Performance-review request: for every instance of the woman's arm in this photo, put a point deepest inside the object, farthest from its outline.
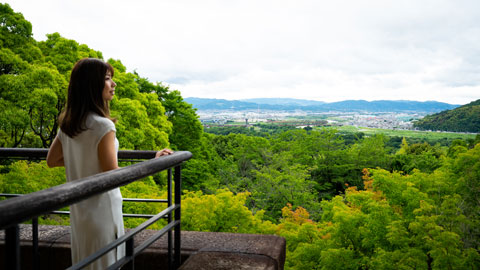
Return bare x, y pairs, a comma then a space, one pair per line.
107, 155
55, 154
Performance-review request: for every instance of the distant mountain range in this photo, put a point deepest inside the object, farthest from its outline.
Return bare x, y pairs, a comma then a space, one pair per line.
290, 104
284, 101
465, 118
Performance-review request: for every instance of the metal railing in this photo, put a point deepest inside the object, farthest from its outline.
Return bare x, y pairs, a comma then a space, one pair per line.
22, 208
125, 215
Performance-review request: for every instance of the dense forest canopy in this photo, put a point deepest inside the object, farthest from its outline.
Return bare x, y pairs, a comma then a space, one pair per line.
342, 201
462, 119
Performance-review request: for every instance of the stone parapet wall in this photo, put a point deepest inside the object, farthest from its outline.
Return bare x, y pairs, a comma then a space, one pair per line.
199, 250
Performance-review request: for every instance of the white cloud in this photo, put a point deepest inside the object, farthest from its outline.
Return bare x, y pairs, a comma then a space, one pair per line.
323, 50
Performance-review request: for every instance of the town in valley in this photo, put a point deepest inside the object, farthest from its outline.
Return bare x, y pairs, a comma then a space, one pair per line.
301, 119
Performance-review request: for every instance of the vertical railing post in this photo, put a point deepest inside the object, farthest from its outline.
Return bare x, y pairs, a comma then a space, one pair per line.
169, 219
129, 249
35, 255
12, 248
178, 187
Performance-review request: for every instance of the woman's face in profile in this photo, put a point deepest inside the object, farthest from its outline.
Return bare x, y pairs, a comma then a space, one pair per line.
109, 88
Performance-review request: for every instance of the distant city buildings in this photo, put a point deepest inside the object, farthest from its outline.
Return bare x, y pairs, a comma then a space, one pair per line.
385, 120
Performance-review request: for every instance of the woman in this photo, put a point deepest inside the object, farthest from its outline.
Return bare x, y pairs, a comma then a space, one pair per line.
86, 145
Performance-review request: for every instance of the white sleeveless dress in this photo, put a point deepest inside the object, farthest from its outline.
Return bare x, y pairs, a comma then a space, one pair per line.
97, 221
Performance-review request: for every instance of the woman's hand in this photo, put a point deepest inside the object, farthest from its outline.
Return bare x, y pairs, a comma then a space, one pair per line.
163, 152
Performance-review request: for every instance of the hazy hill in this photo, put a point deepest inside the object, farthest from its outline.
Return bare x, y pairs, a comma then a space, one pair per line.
318, 106
284, 101
220, 104
465, 118
389, 105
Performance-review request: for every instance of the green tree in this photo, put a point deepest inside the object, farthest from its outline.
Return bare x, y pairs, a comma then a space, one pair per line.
63, 53
222, 212
134, 130
466, 168
186, 134
278, 184
142, 124
14, 119
421, 156
13, 124
47, 97
31, 96
16, 34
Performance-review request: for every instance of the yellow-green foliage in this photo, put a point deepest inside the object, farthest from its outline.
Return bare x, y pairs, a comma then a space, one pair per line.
145, 189
25, 177
417, 221
221, 212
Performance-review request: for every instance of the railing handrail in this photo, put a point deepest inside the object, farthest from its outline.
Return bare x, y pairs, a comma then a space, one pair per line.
58, 212
13, 195
20, 209
42, 153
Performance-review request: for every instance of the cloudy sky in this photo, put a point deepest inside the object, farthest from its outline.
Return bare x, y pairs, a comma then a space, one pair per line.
319, 50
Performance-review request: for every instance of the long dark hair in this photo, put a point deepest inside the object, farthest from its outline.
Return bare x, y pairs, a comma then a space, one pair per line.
85, 95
